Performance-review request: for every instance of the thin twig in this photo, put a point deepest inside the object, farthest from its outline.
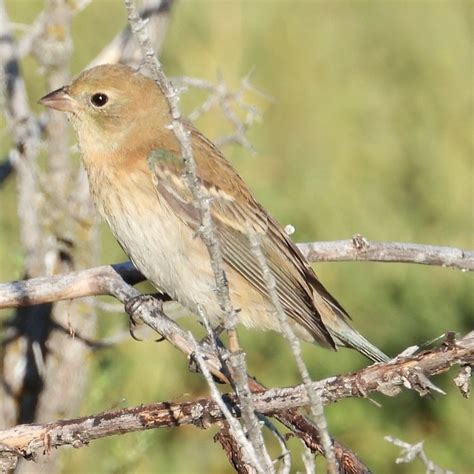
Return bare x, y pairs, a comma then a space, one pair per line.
248, 449
207, 230
239, 381
124, 48
222, 97
372, 379
316, 402
285, 455
409, 452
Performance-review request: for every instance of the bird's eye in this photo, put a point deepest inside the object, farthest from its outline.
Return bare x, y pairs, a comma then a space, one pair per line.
99, 99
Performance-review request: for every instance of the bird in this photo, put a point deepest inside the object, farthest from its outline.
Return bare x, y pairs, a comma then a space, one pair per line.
137, 180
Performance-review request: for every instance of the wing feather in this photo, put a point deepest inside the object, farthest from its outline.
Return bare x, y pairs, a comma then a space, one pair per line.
234, 211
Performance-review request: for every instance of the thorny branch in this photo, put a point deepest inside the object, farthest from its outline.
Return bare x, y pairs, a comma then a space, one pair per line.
410, 452
255, 452
220, 96
124, 48
387, 378
316, 405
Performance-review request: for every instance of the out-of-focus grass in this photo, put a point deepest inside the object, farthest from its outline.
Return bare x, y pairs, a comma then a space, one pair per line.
370, 131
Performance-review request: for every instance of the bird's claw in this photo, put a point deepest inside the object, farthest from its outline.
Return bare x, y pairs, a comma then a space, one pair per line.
132, 324
132, 306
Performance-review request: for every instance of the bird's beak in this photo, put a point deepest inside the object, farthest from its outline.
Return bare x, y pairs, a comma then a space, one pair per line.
59, 100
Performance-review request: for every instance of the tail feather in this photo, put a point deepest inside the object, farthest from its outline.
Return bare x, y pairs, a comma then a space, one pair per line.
336, 321
349, 337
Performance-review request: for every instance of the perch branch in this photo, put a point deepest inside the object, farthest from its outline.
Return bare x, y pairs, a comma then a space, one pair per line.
110, 282
387, 378
87, 282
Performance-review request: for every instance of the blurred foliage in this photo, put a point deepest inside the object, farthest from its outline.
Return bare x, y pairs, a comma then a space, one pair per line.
370, 131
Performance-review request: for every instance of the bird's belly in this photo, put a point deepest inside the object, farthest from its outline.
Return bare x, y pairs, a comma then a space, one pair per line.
176, 261
168, 254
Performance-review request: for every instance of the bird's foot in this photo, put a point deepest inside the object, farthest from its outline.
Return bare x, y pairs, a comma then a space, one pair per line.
132, 306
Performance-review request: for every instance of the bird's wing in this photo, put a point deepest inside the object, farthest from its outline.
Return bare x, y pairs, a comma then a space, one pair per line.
236, 213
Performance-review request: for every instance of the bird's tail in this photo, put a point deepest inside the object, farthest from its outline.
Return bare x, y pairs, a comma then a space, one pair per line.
336, 320
349, 337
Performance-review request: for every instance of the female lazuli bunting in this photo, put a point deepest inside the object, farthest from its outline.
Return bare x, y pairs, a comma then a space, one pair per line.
136, 177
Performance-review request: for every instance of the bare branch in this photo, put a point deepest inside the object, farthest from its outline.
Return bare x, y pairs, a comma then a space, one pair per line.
316, 405
361, 249
255, 452
207, 230
124, 47
25, 133
410, 452
86, 282
222, 97
26, 440
250, 454
111, 283
232, 450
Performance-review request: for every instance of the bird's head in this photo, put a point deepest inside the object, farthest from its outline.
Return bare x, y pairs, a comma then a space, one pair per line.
109, 104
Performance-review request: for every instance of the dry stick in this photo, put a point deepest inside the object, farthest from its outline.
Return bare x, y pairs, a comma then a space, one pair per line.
285, 455
58, 359
360, 249
112, 284
249, 450
124, 48
221, 96
232, 450
387, 378
308, 460
207, 229
410, 452
316, 403
240, 379
25, 134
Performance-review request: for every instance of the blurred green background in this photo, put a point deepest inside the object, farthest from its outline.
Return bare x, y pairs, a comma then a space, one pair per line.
369, 131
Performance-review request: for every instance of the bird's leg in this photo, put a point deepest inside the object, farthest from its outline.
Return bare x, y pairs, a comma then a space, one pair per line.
216, 332
208, 342
132, 305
